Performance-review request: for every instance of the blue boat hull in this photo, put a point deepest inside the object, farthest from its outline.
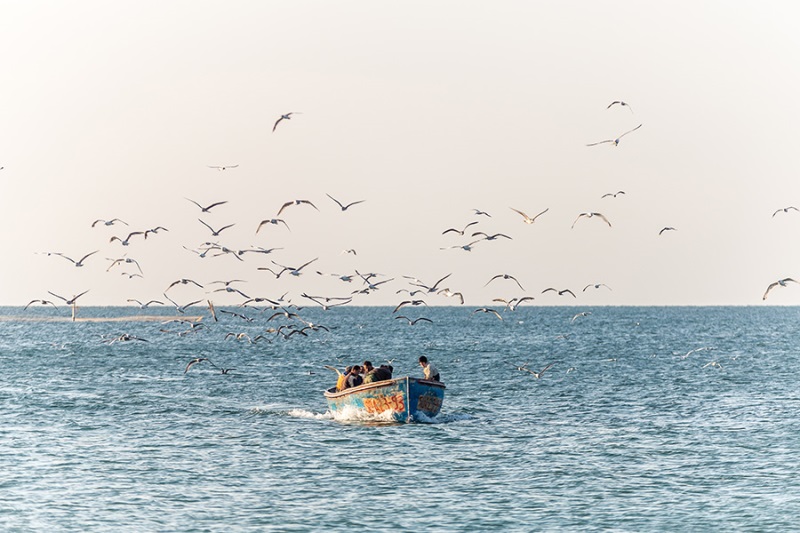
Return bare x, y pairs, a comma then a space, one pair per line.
405, 398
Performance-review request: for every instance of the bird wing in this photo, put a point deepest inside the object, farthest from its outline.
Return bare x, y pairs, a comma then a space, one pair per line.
603, 217
521, 213
629, 131
284, 206
337, 201
276, 123
353, 203
87, 255
309, 203
206, 225
601, 142
215, 204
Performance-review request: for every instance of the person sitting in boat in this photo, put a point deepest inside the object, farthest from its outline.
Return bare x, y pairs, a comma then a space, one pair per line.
353, 378
381, 373
431, 372
340, 382
366, 367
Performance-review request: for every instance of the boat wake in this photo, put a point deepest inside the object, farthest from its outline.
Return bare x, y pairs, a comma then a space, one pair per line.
442, 418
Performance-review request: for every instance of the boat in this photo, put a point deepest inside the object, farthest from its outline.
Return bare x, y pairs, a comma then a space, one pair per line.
405, 398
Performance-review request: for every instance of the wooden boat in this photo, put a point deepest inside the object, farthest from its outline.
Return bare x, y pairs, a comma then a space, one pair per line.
404, 397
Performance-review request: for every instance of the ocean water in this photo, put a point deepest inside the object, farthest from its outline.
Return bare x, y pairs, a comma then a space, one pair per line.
650, 419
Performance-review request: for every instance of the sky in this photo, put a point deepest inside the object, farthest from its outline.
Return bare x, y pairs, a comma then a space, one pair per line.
426, 111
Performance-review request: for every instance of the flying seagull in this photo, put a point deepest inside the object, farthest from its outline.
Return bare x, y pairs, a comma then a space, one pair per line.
621, 103
145, 305
668, 228
590, 215
527, 219
596, 286
208, 207
274, 222
413, 322
614, 194
43, 302
108, 222
780, 282
615, 141
344, 207
223, 167
505, 276
72, 300
785, 210
561, 292
78, 263
285, 116
537, 375
215, 233
460, 231
294, 202
479, 212
487, 310
126, 240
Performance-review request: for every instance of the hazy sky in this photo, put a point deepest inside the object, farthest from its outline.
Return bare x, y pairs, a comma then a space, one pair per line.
425, 110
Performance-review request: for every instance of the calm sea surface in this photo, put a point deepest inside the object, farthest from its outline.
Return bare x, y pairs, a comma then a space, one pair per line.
626, 432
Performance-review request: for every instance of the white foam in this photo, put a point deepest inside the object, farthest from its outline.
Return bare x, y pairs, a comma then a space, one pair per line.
302, 413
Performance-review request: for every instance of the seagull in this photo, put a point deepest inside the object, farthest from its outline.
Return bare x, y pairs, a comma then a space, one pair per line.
527, 219
231, 289
561, 292
286, 116
145, 305
237, 315
154, 230
327, 299
460, 232
182, 281
227, 283
273, 221
221, 168
668, 228
115, 262
126, 337
576, 317
126, 240
43, 302
258, 250
215, 233
350, 251
615, 141
409, 302
537, 375
590, 215
181, 308
465, 247
447, 292
487, 237
295, 202
413, 322
72, 300
690, 352
479, 212
293, 271
487, 310
513, 303
198, 360
621, 103
505, 276
78, 263
614, 194
108, 222
418, 283
596, 286
712, 364
344, 207
785, 210
781, 282
208, 207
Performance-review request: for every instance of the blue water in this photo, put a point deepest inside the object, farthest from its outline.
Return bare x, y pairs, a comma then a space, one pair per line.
625, 432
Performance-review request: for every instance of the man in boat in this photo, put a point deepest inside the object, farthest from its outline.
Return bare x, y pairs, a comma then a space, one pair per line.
431, 372
366, 367
340, 382
353, 378
381, 373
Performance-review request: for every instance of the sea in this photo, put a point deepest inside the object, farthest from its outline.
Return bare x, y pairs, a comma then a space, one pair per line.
649, 419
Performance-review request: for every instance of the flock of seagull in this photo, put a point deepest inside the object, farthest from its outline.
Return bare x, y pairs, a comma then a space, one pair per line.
359, 283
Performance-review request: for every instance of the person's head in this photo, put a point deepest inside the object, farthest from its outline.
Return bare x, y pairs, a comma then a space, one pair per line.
348, 369
367, 366
423, 361
356, 370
